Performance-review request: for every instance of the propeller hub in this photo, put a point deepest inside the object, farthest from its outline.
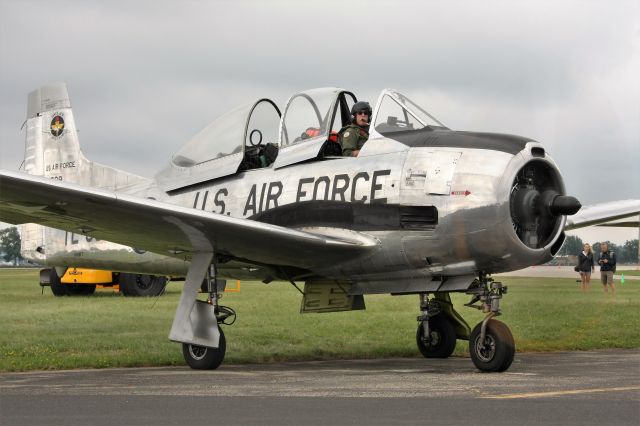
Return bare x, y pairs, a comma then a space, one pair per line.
564, 205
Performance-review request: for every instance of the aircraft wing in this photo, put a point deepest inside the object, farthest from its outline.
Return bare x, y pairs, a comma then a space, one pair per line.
597, 214
165, 228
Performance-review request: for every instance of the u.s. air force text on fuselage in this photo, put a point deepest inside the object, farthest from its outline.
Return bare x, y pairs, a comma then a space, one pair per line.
360, 187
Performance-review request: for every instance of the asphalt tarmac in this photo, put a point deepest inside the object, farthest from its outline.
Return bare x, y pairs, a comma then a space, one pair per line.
568, 388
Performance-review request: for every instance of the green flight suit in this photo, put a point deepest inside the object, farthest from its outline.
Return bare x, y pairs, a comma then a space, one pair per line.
352, 138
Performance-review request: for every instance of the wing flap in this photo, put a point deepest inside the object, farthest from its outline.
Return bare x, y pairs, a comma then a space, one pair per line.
165, 228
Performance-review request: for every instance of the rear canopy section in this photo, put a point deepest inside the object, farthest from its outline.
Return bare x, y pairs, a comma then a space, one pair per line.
220, 148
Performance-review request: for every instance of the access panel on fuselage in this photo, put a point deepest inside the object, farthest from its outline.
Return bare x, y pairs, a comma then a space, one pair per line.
429, 172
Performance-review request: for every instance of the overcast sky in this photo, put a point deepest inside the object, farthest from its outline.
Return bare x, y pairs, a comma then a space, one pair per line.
146, 76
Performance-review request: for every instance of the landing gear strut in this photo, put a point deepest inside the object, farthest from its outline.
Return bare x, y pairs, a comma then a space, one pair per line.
207, 358
195, 324
436, 335
491, 343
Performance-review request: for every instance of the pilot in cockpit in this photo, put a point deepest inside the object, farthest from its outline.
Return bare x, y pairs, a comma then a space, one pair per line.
353, 136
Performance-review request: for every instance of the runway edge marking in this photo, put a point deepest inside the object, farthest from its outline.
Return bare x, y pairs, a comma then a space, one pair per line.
558, 393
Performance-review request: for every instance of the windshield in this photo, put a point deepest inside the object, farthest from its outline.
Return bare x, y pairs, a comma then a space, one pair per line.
426, 118
392, 117
307, 115
397, 113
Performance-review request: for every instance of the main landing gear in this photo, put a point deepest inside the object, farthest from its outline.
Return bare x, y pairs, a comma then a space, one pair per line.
491, 343
208, 358
436, 335
196, 323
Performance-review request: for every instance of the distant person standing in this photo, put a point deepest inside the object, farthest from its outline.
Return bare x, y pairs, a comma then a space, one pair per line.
607, 262
586, 266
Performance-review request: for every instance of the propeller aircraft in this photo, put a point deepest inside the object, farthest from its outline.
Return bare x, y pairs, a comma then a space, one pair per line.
261, 194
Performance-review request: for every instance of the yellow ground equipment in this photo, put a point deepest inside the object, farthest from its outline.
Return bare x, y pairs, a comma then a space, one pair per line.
87, 276
79, 281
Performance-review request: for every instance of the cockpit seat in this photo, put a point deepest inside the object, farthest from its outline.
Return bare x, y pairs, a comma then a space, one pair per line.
259, 156
311, 132
332, 147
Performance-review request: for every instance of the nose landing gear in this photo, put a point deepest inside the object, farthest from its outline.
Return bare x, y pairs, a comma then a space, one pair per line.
491, 343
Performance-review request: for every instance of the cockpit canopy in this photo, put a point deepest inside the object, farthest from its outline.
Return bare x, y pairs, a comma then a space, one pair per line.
315, 109
220, 149
310, 125
256, 135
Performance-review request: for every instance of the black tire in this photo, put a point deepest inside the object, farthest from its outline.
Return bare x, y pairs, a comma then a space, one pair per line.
57, 288
443, 338
204, 358
497, 352
139, 285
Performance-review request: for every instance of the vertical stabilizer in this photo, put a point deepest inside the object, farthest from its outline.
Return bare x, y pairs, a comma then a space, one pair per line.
52, 148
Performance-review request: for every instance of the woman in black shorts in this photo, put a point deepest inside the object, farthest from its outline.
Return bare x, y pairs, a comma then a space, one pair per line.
586, 266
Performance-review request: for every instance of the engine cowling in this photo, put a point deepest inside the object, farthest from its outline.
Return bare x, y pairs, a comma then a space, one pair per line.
537, 204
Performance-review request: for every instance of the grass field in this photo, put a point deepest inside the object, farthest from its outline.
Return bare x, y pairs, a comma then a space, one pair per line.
107, 330
628, 273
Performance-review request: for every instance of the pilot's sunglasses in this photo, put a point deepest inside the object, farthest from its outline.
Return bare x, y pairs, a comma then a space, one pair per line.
362, 113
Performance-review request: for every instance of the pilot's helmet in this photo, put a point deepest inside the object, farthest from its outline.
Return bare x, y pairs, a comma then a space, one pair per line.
361, 106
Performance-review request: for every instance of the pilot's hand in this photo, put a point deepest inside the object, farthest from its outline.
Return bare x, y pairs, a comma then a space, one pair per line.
606, 261
355, 152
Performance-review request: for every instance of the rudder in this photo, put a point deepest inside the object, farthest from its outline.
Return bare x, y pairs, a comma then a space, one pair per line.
52, 148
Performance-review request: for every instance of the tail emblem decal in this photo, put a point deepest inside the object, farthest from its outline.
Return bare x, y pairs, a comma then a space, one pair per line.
57, 125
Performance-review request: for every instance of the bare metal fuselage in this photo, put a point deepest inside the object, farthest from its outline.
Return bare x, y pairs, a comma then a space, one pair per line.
437, 212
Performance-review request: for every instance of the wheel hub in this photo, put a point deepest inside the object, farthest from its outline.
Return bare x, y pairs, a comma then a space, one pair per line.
144, 281
197, 352
435, 338
486, 350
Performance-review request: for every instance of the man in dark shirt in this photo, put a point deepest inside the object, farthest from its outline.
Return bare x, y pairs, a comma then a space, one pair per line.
607, 262
353, 136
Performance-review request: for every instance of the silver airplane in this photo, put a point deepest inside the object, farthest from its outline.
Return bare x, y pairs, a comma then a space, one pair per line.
264, 195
